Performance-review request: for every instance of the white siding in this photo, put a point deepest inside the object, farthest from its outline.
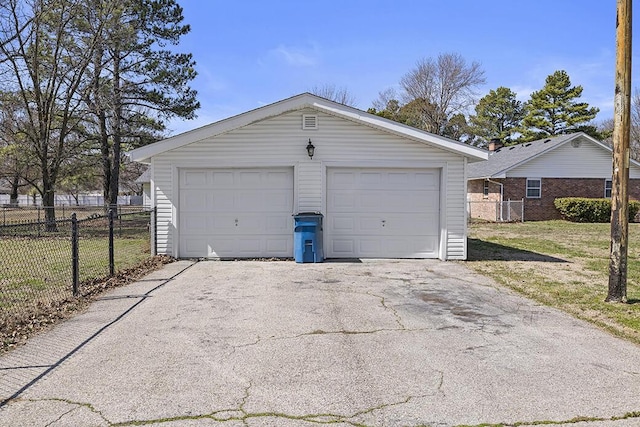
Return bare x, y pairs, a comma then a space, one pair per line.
146, 195
585, 161
162, 184
456, 218
309, 187
280, 141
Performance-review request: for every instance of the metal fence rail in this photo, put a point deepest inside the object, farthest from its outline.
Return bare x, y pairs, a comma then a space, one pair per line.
42, 266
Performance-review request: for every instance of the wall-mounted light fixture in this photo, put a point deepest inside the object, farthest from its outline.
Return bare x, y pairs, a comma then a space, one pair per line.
310, 149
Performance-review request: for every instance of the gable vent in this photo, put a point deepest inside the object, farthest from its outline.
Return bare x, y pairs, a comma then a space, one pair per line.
575, 143
309, 122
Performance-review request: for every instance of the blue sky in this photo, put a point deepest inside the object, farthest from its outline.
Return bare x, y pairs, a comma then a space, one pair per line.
252, 53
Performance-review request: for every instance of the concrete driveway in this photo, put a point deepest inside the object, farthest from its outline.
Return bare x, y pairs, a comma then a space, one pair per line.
378, 343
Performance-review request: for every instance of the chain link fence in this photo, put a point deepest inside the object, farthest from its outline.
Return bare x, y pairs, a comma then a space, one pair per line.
44, 264
496, 211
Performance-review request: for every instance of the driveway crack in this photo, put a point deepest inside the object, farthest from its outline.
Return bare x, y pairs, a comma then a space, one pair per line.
75, 407
397, 316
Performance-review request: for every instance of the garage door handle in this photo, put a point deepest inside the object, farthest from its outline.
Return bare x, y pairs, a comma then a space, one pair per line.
236, 222
384, 222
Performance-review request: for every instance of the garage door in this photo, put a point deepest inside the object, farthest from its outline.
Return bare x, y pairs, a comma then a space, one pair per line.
382, 213
230, 213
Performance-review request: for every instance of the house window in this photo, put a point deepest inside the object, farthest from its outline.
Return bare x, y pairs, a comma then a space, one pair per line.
485, 190
607, 188
534, 188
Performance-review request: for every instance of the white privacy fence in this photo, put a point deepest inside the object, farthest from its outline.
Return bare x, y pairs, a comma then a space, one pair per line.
68, 200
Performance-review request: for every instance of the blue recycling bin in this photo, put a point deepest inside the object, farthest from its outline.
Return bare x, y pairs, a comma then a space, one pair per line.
307, 237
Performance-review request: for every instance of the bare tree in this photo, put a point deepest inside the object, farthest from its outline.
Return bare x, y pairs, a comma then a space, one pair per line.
17, 167
333, 93
45, 53
440, 89
605, 127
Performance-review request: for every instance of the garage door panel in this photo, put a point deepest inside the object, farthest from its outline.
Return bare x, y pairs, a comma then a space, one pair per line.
194, 200
343, 200
279, 179
277, 200
369, 247
277, 224
195, 179
342, 224
248, 200
195, 247
369, 179
222, 179
386, 225
339, 179
278, 246
366, 200
342, 248
249, 179
236, 213
221, 200
222, 247
383, 212
368, 224
196, 223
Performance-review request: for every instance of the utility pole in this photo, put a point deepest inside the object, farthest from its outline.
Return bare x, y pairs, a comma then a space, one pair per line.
620, 178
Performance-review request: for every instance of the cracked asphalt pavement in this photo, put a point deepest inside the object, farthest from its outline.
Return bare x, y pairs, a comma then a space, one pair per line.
373, 343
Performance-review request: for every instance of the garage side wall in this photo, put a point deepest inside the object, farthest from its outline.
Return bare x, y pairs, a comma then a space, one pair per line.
280, 141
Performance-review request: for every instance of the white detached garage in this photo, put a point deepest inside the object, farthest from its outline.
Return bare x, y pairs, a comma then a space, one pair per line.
229, 189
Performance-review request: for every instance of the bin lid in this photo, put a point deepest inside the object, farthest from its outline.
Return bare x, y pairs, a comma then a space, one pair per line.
312, 214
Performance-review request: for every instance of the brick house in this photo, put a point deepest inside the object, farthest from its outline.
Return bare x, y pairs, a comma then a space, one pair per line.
538, 172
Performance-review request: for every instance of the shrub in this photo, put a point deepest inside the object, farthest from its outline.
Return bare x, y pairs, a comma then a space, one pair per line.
581, 209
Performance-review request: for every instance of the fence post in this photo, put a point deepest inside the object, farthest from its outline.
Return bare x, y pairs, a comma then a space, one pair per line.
75, 261
522, 211
112, 267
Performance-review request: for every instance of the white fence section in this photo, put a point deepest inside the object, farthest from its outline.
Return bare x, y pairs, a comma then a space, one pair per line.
68, 200
508, 211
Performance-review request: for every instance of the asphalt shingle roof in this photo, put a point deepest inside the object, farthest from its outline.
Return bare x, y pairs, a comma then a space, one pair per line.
144, 178
507, 157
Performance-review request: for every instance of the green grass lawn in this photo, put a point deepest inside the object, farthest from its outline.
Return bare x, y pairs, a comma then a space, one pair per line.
560, 264
38, 271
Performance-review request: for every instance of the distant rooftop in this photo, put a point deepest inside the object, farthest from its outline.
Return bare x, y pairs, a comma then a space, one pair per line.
145, 177
505, 158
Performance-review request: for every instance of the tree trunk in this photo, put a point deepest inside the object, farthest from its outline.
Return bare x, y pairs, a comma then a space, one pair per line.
13, 198
106, 159
48, 203
117, 132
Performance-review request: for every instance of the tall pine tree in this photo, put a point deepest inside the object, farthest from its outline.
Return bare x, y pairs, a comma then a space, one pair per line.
498, 115
554, 109
136, 82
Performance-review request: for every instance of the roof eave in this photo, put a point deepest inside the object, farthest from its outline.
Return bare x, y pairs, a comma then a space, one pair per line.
474, 154
299, 102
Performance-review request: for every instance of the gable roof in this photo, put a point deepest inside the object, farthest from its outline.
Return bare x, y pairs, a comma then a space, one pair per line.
144, 178
506, 158
299, 102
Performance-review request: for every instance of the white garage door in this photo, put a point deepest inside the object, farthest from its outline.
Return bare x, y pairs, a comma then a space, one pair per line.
230, 213
382, 213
